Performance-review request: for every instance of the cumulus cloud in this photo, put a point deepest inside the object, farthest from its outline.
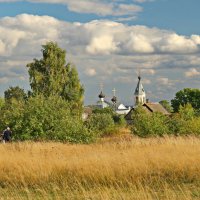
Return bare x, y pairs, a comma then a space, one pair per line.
4, 80
146, 81
192, 72
164, 81
95, 38
90, 72
116, 37
112, 49
148, 71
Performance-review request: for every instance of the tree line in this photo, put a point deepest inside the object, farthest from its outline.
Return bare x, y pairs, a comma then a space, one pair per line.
52, 109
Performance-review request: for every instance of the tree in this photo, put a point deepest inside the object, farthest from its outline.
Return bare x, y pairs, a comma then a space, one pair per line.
52, 76
166, 105
15, 94
101, 123
44, 118
186, 112
148, 124
187, 95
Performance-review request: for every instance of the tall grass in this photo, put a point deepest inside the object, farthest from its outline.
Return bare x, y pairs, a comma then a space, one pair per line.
126, 168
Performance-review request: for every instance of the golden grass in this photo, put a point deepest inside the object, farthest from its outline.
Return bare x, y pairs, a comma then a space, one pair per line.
121, 168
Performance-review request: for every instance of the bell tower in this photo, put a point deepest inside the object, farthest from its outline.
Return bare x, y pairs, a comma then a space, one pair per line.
139, 95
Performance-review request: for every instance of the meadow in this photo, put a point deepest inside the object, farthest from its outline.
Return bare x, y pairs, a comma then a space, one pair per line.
122, 167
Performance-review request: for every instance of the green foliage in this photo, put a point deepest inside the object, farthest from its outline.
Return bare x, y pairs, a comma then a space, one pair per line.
148, 124
100, 123
155, 124
106, 110
15, 94
186, 112
187, 95
2, 102
185, 122
119, 120
189, 127
166, 105
52, 76
43, 118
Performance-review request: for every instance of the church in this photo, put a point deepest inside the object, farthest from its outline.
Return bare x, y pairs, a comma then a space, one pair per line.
139, 99
119, 107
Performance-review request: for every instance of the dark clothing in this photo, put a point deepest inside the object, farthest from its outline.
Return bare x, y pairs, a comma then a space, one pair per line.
7, 135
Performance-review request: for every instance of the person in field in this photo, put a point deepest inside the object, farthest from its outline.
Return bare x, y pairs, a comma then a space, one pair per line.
7, 135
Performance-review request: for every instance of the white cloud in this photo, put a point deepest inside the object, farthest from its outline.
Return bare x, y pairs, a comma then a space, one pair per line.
192, 72
139, 43
102, 45
112, 49
90, 72
108, 37
98, 7
4, 80
179, 44
125, 19
148, 71
146, 81
95, 38
164, 81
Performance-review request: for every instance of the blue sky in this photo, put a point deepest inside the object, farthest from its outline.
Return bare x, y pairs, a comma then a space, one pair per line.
108, 41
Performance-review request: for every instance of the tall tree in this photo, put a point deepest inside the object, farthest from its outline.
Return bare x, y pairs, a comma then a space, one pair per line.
15, 94
187, 95
52, 76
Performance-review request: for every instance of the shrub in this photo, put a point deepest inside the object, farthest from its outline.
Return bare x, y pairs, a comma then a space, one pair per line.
185, 122
189, 127
106, 110
100, 123
148, 124
186, 112
43, 118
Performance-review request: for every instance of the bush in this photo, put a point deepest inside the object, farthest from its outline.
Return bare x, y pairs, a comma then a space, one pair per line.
100, 123
186, 112
119, 120
106, 110
185, 122
148, 124
189, 127
43, 118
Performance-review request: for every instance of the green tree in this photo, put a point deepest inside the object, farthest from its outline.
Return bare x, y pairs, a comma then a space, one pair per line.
101, 123
187, 95
148, 124
166, 105
52, 76
45, 118
15, 94
186, 112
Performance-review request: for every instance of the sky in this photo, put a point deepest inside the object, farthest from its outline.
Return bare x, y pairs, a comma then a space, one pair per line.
109, 41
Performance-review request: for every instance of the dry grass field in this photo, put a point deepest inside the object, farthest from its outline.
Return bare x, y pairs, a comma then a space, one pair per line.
117, 168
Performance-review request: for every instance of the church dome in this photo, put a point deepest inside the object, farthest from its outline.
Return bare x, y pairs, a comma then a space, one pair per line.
101, 95
114, 99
